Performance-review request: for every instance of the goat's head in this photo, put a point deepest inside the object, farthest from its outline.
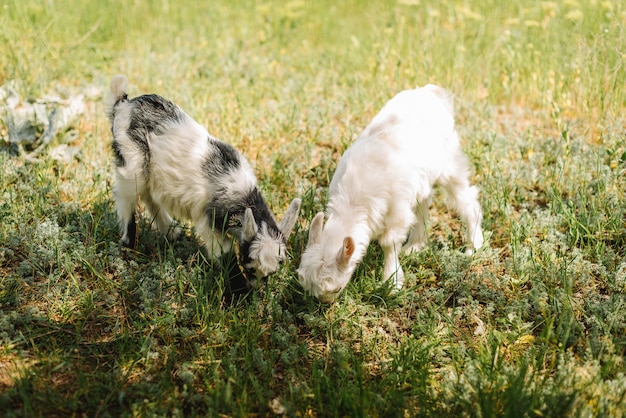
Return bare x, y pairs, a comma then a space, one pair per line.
324, 272
262, 247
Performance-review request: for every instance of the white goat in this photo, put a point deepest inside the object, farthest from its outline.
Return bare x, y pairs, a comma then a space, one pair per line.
179, 170
382, 189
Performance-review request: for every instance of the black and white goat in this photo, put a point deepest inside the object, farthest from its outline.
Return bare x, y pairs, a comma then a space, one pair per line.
179, 170
382, 188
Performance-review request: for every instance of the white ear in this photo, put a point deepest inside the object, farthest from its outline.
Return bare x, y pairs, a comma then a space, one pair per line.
346, 252
315, 232
248, 227
290, 218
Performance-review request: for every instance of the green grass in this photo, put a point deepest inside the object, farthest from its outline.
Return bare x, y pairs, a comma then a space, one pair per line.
533, 325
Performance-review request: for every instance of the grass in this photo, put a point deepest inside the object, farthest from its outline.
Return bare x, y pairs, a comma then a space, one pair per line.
532, 325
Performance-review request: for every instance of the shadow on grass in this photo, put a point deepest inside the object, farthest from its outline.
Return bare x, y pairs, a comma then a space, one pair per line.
94, 329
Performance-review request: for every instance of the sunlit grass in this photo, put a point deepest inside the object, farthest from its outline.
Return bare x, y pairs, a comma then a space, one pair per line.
532, 325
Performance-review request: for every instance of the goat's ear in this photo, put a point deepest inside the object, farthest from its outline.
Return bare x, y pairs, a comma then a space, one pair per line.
346, 252
248, 227
317, 226
290, 218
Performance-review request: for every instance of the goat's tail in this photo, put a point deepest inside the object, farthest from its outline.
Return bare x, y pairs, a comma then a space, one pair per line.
443, 94
117, 93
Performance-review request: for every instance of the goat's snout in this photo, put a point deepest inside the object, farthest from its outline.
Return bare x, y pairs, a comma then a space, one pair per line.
330, 296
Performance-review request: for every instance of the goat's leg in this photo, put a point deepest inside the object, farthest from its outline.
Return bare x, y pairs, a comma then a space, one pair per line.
215, 242
164, 221
391, 267
399, 219
125, 193
463, 198
417, 234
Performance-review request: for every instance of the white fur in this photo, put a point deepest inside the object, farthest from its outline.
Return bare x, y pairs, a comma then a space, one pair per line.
382, 189
166, 165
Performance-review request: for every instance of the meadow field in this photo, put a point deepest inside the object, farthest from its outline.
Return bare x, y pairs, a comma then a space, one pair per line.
532, 325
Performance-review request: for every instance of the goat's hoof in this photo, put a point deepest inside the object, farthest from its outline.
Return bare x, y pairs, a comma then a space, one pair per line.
173, 233
413, 249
